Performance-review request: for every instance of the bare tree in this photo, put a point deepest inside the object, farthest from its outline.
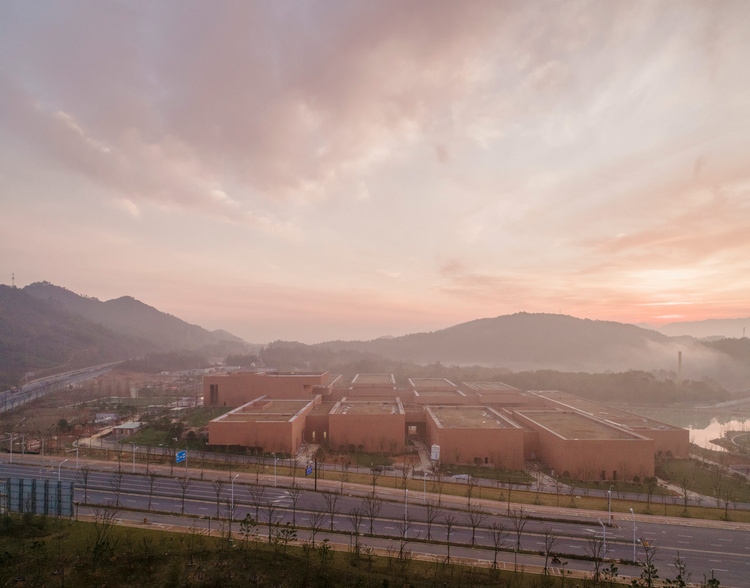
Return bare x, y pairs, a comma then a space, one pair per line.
595, 550
294, 493
471, 484
218, 486
649, 574
151, 481
550, 540
184, 486
432, 513
317, 520
115, 482
375, 473
475, 517
83, 476
257, 498
371, 506
406, 534
498, 535
258, 467
518, 522
274, 517
118, 454
102, 544
331, 500
148, 457
449, 521
355, 516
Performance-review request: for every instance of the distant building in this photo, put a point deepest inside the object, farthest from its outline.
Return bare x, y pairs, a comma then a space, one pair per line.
483, 423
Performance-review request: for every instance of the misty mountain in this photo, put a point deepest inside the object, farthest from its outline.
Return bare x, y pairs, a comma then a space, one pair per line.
523, 341
36, 335
132, 318
730, 328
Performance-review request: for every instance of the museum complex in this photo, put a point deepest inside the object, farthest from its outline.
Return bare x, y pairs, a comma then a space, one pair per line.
479, 423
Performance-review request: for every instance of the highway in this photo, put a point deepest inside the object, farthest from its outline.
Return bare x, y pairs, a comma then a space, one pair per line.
704, 545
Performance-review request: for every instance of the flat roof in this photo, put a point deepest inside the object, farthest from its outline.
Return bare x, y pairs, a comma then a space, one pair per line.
381, 406
443, 393
323, 408
486, 387
615, 416
572, 425
265, 410
385, 380
432, 384
469, 417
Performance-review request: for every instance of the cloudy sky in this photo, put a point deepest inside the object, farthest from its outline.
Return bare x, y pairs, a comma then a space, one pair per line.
316, 170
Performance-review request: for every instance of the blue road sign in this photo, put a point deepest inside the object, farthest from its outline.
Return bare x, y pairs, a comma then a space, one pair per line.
308, 471
181, 456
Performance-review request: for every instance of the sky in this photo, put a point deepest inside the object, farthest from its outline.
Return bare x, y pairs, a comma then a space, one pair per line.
320, 170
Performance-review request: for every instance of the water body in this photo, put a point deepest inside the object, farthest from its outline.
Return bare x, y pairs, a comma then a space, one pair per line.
702, 425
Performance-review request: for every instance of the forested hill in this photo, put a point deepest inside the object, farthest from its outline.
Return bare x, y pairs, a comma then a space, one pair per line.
35, 336
44, 327
532, 341
133, 318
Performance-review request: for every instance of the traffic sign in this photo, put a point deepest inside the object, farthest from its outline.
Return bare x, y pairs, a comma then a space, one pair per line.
181, 456
308, 471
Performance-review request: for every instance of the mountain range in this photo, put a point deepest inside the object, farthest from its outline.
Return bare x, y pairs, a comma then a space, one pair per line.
43, 326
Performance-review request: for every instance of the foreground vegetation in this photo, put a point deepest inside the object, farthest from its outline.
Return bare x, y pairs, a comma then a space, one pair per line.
39, 551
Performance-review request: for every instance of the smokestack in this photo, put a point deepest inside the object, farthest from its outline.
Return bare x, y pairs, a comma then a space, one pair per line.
679, 367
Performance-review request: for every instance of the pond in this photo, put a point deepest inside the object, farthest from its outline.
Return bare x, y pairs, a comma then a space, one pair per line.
703, 426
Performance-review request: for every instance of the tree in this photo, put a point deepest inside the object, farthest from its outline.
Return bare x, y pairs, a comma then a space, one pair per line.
115, 483
257, 498
498, 535
371, 506
595, 550
475, 518
550, 540
649, 575
102, 544
151, 482
449, 521
518, 522
274, 517
83, 475
432, 513
247, 528
294, 493
683, 576
652, 483
218, 486
317, 520
184, 486
331, 500
355, 516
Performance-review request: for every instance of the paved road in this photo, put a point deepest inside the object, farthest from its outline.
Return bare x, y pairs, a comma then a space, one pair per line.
705, 546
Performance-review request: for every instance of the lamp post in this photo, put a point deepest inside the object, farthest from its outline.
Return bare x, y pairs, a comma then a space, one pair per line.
274, 470
406, 510
76, 450
604, 535
134, 448
631, 510
424, 487
58, 468
609, 502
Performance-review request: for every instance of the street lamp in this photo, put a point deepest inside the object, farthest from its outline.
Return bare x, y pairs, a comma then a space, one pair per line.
134, 448
58, 468
609, 501
274, 469
604, 535
232, 513
631, 510
406, 510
